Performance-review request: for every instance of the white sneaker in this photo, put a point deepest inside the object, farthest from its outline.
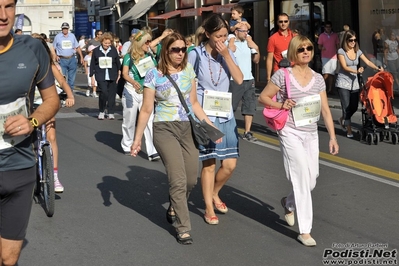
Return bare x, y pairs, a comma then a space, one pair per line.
111, 117
94, 95
101, 116
58, 187
88, 93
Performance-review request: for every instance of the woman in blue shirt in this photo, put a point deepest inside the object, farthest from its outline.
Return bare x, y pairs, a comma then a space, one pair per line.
216, 65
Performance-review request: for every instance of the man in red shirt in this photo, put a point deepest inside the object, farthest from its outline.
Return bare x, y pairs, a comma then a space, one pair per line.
328, 44
278, 45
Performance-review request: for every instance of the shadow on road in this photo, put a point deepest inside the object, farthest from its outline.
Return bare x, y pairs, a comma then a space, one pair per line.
86, 110
146, 192
110, 139
255, 209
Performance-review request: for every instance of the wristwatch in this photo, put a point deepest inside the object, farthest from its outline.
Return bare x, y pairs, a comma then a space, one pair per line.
33, 121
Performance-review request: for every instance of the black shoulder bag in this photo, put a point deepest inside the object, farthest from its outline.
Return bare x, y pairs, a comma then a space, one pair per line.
200, 133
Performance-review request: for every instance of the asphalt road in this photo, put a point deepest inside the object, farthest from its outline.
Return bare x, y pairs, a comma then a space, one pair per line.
113, 209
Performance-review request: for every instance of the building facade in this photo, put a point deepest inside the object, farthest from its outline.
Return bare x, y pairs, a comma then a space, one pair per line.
45, 16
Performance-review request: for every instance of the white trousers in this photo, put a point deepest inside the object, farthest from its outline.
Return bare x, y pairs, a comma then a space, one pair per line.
301, 162
132, 102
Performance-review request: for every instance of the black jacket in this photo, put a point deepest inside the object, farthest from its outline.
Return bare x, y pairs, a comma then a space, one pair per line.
100, 73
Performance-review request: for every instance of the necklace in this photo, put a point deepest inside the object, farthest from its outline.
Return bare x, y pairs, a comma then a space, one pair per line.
303, 74
210, 70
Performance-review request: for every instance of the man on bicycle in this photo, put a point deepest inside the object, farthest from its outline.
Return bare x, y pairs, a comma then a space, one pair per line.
24, 60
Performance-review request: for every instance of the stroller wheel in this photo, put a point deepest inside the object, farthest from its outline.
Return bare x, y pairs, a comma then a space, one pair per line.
394, 138
376, 138
369, 138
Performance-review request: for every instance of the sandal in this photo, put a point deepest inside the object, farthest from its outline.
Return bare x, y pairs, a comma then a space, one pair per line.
213, 220
186, 240
221, 207
170, 215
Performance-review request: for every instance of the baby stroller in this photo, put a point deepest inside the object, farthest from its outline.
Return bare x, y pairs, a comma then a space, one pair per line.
379, 121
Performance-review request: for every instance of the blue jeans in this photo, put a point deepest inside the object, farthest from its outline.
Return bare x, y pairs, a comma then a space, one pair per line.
349, 103
69, 67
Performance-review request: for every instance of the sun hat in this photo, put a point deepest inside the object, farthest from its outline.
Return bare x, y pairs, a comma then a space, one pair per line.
91, 47
134, 31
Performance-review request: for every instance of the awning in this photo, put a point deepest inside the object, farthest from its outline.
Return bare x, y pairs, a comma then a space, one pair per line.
218, 8
138, 10
105, 11
190, 12
167, 15
250, 1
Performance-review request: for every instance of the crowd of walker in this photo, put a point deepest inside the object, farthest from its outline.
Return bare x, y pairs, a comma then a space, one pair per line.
216, 61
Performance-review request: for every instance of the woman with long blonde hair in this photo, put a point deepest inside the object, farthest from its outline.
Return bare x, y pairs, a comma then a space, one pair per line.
135, 65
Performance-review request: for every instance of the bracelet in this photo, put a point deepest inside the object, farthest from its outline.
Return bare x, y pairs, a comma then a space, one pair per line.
333, 139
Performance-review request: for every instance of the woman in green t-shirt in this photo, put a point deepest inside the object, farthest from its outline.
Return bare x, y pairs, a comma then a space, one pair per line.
135, 64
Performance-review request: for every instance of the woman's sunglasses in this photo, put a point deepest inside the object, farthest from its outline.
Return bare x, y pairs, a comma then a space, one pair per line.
178, 49
351, 40
302, 49
148, 42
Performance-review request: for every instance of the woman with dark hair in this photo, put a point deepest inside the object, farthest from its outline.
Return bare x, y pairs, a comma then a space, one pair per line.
172, 130
215, 68
347, 83
105, 69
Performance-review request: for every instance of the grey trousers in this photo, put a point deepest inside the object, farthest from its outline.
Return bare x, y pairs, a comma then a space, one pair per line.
175, 145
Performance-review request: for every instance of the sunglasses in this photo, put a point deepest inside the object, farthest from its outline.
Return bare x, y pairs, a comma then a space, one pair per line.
178, 49
148, 42
283, 21
301, 50
351, 40
246, 31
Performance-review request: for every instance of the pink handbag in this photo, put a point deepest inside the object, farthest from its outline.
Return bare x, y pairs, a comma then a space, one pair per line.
276, 118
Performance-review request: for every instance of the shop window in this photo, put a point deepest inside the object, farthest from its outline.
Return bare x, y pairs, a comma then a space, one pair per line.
55, 14
379, 25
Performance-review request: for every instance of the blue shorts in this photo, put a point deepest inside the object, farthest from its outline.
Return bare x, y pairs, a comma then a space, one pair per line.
228, 148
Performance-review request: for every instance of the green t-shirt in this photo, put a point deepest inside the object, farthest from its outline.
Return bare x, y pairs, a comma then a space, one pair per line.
133, 71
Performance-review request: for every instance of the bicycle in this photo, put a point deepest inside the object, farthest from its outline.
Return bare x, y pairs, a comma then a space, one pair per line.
45, 170
45, 190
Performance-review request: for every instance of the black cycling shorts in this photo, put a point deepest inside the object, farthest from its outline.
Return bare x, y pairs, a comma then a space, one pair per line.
16, 193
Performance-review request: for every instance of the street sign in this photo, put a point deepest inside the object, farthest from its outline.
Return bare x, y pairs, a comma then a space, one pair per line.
91, 18
91, 8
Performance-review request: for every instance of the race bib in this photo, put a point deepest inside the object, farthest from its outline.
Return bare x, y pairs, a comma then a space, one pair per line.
17, 107
217, 103
307, 110
67, 44
105, 62
144, 65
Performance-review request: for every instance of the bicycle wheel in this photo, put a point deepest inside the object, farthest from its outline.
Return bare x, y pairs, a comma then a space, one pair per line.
48, 181
38, 185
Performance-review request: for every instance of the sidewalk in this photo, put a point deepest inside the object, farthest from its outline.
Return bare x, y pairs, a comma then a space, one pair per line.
334, 101
89, 105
